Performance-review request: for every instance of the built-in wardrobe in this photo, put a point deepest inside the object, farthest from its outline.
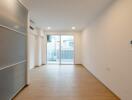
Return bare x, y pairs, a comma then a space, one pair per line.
13, 48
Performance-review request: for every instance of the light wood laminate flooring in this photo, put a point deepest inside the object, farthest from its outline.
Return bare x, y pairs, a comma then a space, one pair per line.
64, 82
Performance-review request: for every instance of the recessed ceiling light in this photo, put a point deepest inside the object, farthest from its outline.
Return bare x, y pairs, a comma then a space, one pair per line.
48, 28
73, 28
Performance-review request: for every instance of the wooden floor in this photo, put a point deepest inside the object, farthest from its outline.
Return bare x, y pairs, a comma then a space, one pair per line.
64, 82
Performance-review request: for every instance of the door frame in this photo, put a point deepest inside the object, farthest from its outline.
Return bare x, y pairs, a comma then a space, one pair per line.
56, 34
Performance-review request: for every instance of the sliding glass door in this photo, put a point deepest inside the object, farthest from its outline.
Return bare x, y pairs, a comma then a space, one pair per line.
67, 49
53, 49
60, 49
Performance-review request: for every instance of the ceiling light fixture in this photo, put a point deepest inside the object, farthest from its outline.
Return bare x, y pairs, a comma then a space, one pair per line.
49, 28
73, 28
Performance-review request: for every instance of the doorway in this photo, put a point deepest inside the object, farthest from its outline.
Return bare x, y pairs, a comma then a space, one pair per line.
60, 49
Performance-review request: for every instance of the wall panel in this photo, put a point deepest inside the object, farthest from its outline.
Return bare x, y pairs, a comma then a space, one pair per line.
13, 15
12, 79
13, 48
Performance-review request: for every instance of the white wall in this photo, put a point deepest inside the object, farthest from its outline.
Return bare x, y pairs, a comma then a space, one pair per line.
106, 49
77, 40
36, 48
32, 49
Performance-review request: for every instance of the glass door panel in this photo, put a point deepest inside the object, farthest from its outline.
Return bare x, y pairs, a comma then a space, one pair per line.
60, 49
53, 49
67, 49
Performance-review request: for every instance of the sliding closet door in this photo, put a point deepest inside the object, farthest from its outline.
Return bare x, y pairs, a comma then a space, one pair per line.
13, 48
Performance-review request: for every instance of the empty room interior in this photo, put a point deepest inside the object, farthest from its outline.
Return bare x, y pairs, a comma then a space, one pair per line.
65, 49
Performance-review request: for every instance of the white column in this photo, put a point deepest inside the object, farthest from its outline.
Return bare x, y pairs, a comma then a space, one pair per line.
77, 47
44, 47
38, 48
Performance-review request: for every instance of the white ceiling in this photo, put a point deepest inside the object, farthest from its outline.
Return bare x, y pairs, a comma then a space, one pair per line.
61, 15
